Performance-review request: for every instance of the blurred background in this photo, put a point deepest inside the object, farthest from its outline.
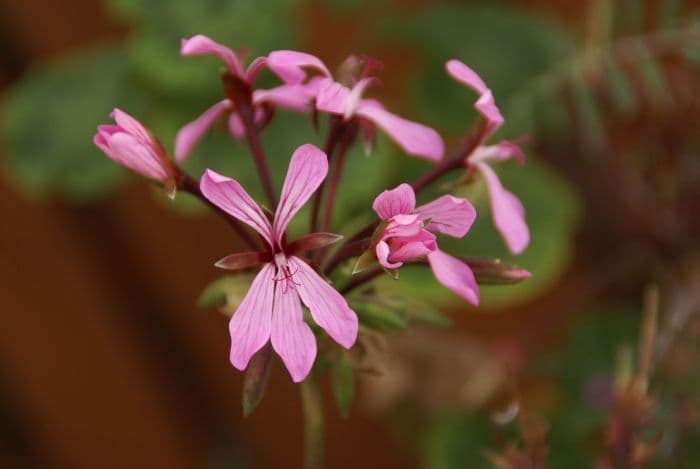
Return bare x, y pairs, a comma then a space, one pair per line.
107, 361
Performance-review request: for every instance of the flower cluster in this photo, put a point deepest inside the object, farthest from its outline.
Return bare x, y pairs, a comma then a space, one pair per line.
271, 311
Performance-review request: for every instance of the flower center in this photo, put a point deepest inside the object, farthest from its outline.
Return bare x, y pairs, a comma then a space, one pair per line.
284, 273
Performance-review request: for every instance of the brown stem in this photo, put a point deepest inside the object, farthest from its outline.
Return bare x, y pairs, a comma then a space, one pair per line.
361, 279
334, 132
187, 183
348, 250
240, 93
336, 173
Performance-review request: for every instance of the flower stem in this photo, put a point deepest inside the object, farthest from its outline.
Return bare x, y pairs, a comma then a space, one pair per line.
313, 423
187, 183
240, 93
336, 173
334, 132
361, 279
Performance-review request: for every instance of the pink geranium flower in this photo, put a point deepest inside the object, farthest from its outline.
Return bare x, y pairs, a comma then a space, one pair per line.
271, 310
293, 96
409, 234
334, 98
508, 212
131, 145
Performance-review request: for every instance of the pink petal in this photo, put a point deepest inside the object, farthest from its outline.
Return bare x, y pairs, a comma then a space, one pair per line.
188, 136
502, 151
449, 215
415, 139
294, 97
403, 225
353, 99
331, 97
229, 196
412, 247
508, 212
202, 45
235, 124
487, 108
130, 125
328, 307
251, 323
465, 75
291, 337
307, 169
383, 252
254, 68
129, 151
289, 65
455, 275
398, 201
485, 105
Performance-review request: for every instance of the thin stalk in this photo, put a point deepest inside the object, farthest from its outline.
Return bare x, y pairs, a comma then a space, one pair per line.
187, 183
258, 156
240, 93
334, 132
313, 423
336, 173
360, 279
348, 250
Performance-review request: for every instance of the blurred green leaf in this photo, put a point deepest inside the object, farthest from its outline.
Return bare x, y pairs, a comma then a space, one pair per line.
342, 383
228, 290
384, 318
51, 115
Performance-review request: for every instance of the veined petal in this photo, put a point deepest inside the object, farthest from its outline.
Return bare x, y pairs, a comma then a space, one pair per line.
129, 151
307, 169
229, 196
449, 215
455, 275
289, 65
188, 136
403, 225
414, 138
508, 212
250, 325
291, 337
413, 247
202, 45
331, 97
465, 75
353, 98
328, 307
400, 200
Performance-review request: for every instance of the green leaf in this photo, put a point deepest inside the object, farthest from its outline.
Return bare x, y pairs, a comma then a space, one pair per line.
343, 383
375, 315
50, 116
228, 290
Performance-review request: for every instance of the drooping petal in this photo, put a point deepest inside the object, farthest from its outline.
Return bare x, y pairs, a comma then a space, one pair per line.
455, 275
465, 75
254, 68
328, 307
129, 151
188, 136
331, 97
449, 215
289, 65
353, 99
403, 225
485, 105
202, 45
414, 138
229, 196
250, 325
291, 337
508, 212
400, 200
307, 169
383, 252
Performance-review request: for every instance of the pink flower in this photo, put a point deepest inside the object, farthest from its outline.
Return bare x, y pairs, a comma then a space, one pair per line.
508, 212
130, 144
296, 96
409, 235
271, 310
334, 98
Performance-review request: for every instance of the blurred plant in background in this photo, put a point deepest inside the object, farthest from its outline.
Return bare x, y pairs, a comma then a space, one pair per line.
611, 110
